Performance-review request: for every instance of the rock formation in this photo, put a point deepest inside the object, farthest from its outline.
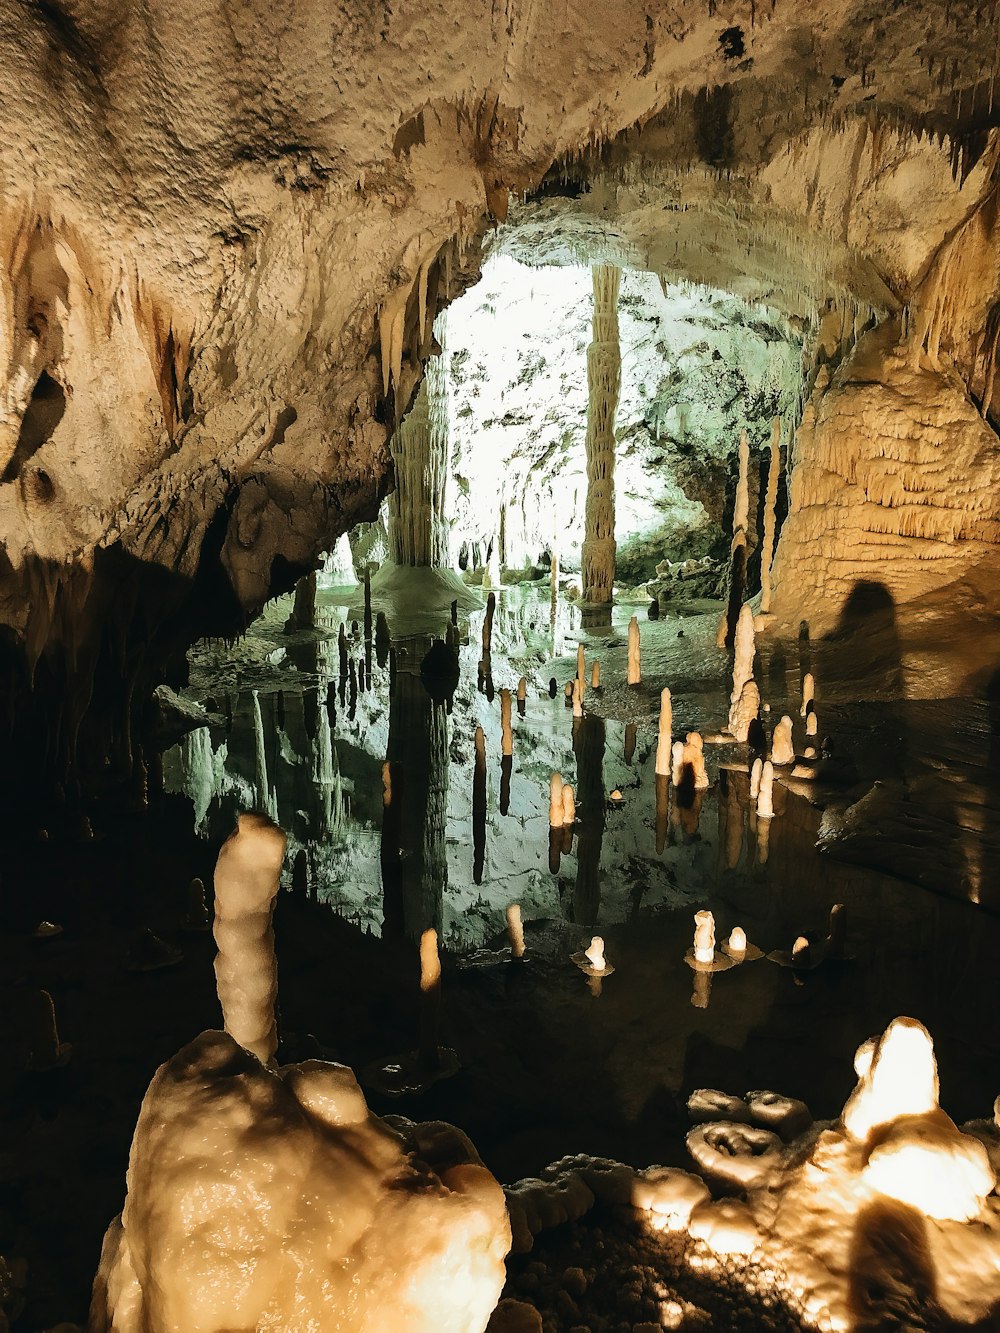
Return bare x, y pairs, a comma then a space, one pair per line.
604, 364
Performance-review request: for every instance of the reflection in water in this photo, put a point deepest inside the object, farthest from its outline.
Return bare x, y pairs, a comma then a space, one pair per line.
424, 847
588, 743
417, 756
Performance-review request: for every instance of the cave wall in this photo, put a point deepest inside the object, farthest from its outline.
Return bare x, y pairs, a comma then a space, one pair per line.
894, 490
224, 234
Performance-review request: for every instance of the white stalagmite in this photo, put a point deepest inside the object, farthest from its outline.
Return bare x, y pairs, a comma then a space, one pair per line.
812, 722
634, 662
744, 710
765, 797
506, 734
663, 737
745, 649
808, 693
755, 774
770, 502
704, 937
247, 874
782, 746
515, 930
522, 690
577, 697
568, 805
604, 364
418, 527
274, 1199
694, 754
676, 762
741, 513
581, 664
555, 800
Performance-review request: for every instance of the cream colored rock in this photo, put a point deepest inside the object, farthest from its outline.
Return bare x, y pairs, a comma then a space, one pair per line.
745, 649
782, 745
744, 711
893, 488
262, 1199
247, 875
663, 735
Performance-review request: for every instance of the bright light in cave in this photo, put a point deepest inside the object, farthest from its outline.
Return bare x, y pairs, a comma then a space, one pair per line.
697, 366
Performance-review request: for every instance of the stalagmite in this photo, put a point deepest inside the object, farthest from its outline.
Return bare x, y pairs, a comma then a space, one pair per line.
604, 382
247, 874
741, 512
765, 803
745, 649
568, 806
812, 722
782, 746
755, 775
770, 502
595, 676
522, 690
744, 711
581, 665
808, 693
577, 697
418, 526
555, 800
689, 754
515, 930
704, 937
634, 663
506, 734
663, 737
430, 998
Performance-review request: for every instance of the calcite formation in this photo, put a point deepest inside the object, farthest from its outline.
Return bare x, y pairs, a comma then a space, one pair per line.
604, 366
275, 1199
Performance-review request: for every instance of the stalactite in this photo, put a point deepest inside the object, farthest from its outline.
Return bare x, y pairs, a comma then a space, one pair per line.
604, 382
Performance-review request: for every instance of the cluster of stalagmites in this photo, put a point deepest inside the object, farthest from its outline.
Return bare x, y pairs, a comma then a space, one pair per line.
266, 1196
892, 1192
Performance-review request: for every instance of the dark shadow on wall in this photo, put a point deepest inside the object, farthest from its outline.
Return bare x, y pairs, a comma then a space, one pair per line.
864, 648
891, 1279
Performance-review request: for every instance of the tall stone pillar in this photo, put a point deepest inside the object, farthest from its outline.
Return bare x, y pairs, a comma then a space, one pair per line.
418, 528
604, 365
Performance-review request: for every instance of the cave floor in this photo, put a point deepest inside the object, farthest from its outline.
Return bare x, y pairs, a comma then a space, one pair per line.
546, 1066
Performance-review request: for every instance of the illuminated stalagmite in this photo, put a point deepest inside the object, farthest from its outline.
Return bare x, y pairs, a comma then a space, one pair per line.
604, 364
246, 883
275, 1199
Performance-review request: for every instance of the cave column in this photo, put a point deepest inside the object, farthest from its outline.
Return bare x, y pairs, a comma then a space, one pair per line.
604, 364
418, 526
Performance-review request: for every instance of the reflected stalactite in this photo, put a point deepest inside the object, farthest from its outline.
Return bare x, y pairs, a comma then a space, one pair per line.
479, 808
732, 816
629, 742
415, 811
588, 743
506, 765
352, 690
555, 848
662, 811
